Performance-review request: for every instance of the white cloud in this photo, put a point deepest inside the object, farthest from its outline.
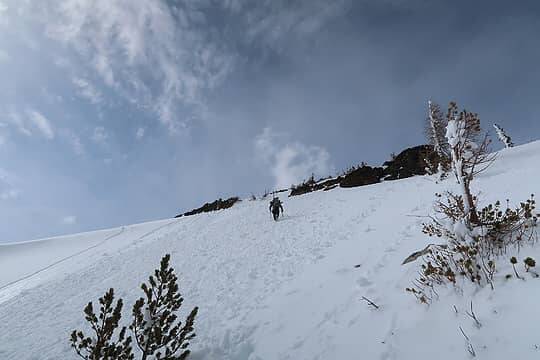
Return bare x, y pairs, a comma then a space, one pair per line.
273, 22
100, 135
4, 133
290, 162
28, 122
9, 194
107, 161
140, 133
3, 15
8, 190
73, 140
4, 56
50, 97
69, 220
157, 56
41, 123
161, 57
15, 119
87, 90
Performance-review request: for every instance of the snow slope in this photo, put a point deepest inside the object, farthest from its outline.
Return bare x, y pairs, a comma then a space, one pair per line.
286, 290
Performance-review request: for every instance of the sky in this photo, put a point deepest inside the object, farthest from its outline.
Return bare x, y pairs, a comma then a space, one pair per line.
115, 112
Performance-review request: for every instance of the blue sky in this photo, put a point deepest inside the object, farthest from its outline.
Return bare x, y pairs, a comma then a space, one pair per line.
121, 111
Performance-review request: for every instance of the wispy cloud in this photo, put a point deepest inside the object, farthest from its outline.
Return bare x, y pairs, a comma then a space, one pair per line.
73, 140
3, 138
163, 57
18, 121
290, 162
157, 56
41, 123
3, 11
100, 135
273, 22
8, 191
87, 91
50, 97
140, 133
69, 220
4, 56
9, 194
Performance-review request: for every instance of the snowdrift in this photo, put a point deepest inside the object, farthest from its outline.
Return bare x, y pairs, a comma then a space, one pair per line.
286, 290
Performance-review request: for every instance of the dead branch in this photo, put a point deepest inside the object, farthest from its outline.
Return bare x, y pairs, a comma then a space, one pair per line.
472, 315
470, 347
415, 255
370, 302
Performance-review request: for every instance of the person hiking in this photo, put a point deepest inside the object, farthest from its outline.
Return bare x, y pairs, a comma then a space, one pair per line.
275, 206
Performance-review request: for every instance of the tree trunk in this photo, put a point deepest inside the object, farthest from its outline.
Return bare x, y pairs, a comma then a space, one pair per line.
473, 215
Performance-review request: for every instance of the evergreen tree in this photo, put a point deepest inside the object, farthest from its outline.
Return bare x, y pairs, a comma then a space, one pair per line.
155, 327
102, 346
157, 332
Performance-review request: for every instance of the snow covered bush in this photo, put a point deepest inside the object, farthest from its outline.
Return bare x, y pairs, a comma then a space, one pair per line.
155, 327
472, 254
503, 137
475, 238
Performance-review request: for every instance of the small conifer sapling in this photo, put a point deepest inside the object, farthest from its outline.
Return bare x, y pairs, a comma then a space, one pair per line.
103, 345
157, 332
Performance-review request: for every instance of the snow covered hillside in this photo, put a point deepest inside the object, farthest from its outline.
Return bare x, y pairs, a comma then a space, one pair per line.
286, 290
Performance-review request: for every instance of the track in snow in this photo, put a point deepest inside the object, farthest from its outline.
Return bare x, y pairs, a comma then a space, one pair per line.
285, 290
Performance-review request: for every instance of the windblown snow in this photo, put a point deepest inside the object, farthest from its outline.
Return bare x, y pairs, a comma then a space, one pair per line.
290, 289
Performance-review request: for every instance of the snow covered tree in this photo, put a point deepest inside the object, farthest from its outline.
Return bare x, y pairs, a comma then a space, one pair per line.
436, 129
102, 346
157, 332
436, 136
503, 137
475, 236
469, 153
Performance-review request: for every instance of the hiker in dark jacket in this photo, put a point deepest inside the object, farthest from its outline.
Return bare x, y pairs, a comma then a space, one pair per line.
275, 206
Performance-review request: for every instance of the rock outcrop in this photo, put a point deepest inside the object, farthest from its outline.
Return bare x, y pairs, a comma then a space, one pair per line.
219, 204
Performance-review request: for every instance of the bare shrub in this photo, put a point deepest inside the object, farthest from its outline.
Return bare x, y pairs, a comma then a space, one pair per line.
472, 253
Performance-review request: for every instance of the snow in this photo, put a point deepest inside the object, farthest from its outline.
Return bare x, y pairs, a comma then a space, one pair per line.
454, 132
286, 290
